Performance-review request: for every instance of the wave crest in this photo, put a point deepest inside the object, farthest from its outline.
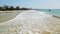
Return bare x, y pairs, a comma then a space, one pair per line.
32, 22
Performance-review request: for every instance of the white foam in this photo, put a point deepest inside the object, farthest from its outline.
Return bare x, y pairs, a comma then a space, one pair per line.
32, 22
32, 14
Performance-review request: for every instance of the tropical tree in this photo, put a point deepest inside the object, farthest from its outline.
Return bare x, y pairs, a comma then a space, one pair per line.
6, 7
0, 7
11, 8
17, 8
25, 8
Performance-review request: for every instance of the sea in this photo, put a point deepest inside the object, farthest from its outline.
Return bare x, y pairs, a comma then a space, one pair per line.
51, 12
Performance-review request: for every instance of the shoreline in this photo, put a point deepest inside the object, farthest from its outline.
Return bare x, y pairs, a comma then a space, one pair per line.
26, 21
8, 15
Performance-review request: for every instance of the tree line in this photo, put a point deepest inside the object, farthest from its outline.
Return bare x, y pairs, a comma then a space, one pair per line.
6, 7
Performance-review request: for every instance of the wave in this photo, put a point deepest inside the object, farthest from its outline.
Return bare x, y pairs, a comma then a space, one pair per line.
32, 22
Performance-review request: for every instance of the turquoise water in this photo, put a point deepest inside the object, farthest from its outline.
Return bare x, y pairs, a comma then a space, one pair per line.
52, 12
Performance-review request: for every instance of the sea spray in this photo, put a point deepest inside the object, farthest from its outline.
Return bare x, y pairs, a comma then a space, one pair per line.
31, 22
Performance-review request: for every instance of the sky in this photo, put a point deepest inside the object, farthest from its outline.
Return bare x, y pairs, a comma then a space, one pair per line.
37, 4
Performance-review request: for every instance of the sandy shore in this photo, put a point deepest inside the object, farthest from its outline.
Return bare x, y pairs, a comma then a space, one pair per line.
8, 15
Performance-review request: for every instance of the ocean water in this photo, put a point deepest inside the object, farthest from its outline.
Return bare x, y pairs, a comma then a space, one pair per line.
52, 12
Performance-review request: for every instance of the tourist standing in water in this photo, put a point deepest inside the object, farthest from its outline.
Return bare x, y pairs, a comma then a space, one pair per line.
49, 9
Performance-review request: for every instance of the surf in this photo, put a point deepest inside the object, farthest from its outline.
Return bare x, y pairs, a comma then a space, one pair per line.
32, 22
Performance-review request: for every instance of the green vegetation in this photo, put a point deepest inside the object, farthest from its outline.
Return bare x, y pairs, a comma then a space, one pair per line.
6, 7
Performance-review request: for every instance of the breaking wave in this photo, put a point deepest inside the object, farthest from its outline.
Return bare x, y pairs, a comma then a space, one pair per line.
32, 22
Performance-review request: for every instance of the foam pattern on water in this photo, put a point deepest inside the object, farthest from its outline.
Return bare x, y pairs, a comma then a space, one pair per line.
31, 22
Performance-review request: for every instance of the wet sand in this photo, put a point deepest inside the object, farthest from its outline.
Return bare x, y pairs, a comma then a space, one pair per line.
8, 15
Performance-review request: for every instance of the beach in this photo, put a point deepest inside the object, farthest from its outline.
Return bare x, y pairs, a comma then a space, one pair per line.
30, 22
8, 15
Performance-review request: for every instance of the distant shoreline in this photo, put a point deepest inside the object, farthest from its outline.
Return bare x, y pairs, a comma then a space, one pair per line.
10, 8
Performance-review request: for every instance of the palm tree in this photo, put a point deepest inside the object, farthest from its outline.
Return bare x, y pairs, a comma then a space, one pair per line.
11, 8
17, 8
0, 7
6, 7
25, 8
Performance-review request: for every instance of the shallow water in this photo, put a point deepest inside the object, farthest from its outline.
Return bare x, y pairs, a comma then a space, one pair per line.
52, 12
